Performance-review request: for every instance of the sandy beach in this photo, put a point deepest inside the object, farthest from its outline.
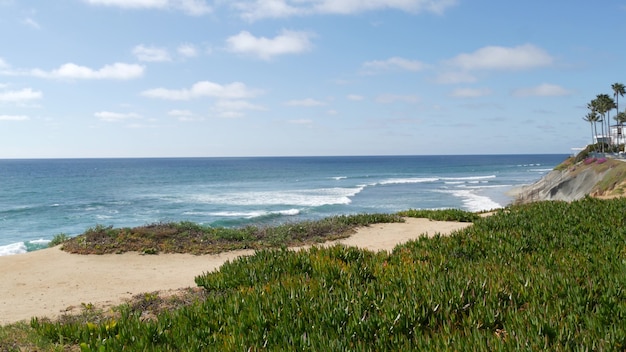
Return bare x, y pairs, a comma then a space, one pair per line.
49, 282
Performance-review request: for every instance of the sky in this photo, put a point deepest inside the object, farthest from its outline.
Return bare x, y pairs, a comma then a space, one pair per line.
218, 78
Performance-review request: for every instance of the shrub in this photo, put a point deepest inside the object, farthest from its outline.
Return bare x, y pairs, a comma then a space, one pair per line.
58, 239
589, 161
441, 215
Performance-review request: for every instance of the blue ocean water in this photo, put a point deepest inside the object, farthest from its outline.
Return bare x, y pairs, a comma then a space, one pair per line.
43, 198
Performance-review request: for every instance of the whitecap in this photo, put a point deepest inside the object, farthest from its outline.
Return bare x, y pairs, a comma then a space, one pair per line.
14, 248
39, 241
473, 201
394, 181
469, 178
245, 214
485, 186
309, 198
289, 212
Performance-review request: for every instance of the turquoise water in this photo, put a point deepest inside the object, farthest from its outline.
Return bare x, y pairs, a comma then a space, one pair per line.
42, 198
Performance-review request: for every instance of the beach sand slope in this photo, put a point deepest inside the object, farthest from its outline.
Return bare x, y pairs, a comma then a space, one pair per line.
49, 282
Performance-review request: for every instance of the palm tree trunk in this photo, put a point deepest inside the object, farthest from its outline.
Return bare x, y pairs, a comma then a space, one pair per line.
621, 124
603, 136
595, 128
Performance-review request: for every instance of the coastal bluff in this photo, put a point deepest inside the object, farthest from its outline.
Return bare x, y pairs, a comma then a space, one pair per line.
576, 178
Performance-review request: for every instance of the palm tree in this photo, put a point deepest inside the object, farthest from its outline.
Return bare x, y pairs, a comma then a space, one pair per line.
621, 118
592, 117
603, 104
593, 106
618, 90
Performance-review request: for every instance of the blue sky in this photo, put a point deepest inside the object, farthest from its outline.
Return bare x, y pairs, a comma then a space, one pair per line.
195, 78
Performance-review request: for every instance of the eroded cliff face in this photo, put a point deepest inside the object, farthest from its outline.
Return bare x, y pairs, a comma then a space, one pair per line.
597, 177
567, 185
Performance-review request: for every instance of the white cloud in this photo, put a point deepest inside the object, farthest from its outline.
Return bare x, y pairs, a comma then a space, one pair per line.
393, 98
355, 97
470, 92
31, 23
233, 108
542, 90
118, 71
187, 50
184, 115
3, 64
288, 42
151, 54
395, 63
503, 58
413, 6
259, 9
309, 102
108, 116
20, 95
300, 122
131, 4
202, 89
191, 7
14, 118
180, 113
455, 77
237, 105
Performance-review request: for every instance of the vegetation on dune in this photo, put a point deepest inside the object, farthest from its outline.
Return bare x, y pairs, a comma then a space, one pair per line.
58, 239
441, 215
188, 237
540, 276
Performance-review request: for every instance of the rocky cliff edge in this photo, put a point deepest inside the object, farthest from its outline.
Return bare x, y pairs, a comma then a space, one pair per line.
572, 180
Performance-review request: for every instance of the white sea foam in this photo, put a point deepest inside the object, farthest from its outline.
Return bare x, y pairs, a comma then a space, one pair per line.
484, 186
40, 241
473, 201
394, 181
238, 214
14, 248
468, 178
337, 178
246, 214
289, 212
310, 198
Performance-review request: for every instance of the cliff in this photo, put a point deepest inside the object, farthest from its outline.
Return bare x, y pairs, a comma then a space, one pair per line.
572, 180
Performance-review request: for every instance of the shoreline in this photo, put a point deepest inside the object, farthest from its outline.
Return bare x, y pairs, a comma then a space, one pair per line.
50, 282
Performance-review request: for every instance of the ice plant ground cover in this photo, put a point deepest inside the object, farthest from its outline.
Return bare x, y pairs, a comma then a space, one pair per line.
547, 275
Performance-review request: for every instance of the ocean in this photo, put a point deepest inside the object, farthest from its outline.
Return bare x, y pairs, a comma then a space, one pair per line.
41, 198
